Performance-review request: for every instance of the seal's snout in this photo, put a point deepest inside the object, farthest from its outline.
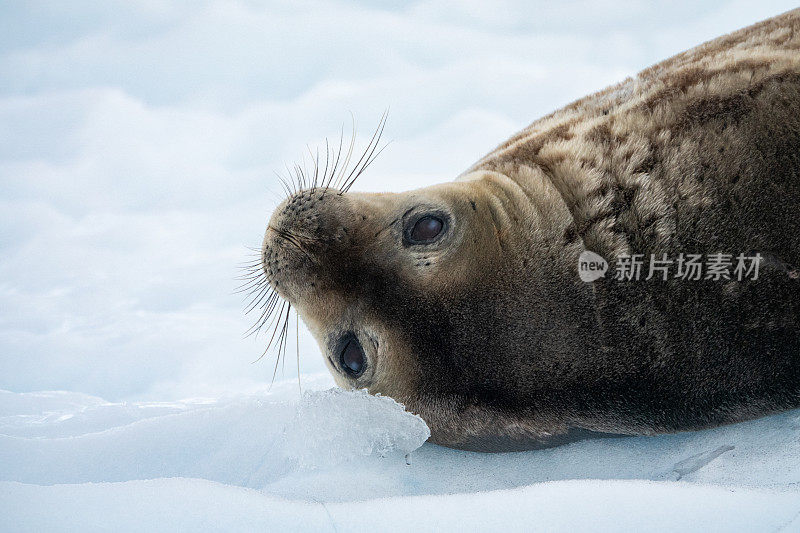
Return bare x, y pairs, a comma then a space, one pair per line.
301, 233
307, 213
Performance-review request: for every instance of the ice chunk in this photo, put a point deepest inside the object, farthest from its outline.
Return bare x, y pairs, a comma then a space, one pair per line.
246, 441
335, 425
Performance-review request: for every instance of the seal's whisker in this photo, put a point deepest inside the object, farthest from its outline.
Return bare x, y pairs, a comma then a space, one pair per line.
281, 337
279, 323
337, 172
306, 174
285, 341
298, 177
285, 186
327, 161
259, 300
348, 155
255, 256
251, 281
266, 315
315, 163
297, 337
366, 157
250, 273
276, 321
274, 331
267, 307
249, 286
309, 175
256, 261
286, 180
364, 167
335, 166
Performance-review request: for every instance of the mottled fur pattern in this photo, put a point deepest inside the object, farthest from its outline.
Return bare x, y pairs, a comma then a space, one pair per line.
491, 336
698, 154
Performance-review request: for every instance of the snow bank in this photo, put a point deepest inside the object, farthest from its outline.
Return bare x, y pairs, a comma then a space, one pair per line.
199, 505
333, 459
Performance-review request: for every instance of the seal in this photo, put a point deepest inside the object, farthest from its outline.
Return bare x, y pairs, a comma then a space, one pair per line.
464, 301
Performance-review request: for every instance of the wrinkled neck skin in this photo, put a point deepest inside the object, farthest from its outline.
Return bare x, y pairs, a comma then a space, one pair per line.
513, 375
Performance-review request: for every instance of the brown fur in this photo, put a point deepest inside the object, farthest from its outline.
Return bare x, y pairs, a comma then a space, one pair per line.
490, 336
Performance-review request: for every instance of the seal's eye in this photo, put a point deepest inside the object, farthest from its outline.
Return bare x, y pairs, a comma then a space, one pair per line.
426, 230
353, 359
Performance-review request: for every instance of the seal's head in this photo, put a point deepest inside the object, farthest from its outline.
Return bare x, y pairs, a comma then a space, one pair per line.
448, 298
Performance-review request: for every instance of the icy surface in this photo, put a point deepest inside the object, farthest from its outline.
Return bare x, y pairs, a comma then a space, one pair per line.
328, 459
199, 505
248, 441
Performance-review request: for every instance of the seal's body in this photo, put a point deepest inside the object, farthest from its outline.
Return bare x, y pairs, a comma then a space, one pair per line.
463, 300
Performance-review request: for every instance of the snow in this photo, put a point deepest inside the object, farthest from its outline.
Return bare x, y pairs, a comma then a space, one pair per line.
197, 505
340, 460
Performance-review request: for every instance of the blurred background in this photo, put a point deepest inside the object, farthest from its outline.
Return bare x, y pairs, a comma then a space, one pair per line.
139, 141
